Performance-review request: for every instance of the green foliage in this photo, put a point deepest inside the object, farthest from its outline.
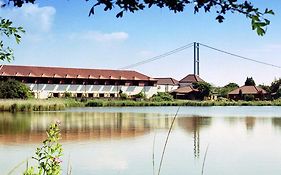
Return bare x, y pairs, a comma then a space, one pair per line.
162, 96
14, 89
276, 88
259, 22
140, 95
48, 156
204, 89
123, 96
30, 105
265, 87
257, 16
66, 94
220, 102
222, 92
249, 97
8, 30
231, 85
250, 81
278, 94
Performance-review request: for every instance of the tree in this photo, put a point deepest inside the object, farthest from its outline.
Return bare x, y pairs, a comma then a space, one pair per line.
265, 87
222, 92
250, 82
162, 96
257, 16
231, 85
14, 89
204, 89
275, 85
8, 30
275, 88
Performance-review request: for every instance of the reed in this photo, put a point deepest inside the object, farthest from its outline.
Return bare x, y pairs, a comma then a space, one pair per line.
104, 102
37, 105
166, 141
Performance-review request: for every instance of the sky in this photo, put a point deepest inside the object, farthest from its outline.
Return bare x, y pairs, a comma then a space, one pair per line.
60, 33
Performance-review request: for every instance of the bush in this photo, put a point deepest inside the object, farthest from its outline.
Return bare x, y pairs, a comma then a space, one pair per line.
249, 97
162, 96
14, 89
140, 95
204, 89
123, 96
48, 156
66, 94
94, 103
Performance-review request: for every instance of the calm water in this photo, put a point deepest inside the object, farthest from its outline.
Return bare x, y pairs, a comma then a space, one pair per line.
109, 141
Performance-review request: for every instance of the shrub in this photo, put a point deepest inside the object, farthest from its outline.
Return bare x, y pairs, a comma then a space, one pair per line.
14, 89
123, 96
48, 156
140, 95
162, 96
94, 103
204, 89
66, 94
249, 97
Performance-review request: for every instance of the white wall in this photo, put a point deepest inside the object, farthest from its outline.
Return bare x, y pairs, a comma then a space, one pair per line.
166, 88
46, 90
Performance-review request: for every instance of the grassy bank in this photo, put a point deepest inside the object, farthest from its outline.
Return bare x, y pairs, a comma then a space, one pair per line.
61, 104
101, 103
37, 105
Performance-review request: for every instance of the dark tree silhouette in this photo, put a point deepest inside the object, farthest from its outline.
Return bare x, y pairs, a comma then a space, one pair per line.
250, 82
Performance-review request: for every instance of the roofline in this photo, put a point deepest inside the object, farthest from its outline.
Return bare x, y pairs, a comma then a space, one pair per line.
106, 69
58, 67
246, 86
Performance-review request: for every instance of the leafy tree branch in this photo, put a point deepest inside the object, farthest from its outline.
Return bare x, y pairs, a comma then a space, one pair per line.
258, 17
7, 30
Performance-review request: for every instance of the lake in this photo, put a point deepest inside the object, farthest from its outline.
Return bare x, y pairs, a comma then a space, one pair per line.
123, 140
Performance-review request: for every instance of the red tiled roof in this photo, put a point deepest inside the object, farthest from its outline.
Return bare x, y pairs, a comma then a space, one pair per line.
80, 73
248, 90
167, 81
191, 78
185, 90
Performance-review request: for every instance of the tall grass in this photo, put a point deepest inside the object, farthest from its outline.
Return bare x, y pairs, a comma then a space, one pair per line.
166, 141
56, 104
104, 103
37, 105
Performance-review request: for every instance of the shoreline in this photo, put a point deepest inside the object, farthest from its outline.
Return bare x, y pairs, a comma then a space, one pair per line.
10, 105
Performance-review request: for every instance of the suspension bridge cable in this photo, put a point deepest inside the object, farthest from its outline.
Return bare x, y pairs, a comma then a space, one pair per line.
241, 57
179, 49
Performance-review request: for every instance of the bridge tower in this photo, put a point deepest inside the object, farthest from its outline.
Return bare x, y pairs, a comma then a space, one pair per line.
196, 58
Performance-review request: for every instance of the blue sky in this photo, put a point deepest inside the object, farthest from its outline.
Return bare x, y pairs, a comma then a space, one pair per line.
60, 33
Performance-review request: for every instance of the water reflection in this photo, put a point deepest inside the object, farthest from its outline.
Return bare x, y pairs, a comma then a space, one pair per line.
30, 127
15, 128
277, 123
193, 125
89, 134
250, 123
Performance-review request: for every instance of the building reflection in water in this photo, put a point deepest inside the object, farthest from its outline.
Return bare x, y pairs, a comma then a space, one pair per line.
15, 128
276, 122
194, 125
250, 123
30, 127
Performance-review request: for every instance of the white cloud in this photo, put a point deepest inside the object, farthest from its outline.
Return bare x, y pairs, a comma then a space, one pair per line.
32, 17
100, 36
